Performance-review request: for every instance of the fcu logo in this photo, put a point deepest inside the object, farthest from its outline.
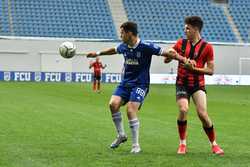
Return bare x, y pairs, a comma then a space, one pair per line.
22, 76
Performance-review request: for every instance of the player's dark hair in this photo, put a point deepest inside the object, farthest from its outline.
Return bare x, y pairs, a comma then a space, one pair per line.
130, 26
194, 21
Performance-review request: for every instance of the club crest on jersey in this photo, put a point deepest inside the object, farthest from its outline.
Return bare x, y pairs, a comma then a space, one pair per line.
138, 54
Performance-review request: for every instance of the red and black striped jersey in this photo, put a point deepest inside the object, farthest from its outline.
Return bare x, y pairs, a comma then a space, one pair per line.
97, 67
201, 52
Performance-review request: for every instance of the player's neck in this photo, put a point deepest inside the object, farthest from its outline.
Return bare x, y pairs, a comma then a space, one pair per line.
196, 39
133, 42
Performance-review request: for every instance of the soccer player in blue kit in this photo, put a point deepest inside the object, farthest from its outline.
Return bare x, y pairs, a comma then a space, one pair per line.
136, 79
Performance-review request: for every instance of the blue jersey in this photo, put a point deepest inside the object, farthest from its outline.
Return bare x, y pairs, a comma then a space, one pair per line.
137, 62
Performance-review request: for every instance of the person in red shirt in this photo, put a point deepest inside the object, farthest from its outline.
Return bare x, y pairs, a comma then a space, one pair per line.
190, 81
97, 66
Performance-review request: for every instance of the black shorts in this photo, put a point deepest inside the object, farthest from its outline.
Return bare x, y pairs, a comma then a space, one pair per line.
97, 77
183, 91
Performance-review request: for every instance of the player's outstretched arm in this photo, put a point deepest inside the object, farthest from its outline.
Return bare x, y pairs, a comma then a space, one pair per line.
109, 51
172, 54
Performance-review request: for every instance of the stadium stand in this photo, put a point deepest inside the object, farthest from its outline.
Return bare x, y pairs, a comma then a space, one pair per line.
157, 19
240, 11
56, 18
163, 19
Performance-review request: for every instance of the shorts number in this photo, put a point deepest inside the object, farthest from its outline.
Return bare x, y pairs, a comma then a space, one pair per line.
140, 91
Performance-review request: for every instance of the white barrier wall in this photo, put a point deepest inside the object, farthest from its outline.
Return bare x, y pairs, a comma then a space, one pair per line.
28, 76
42, 55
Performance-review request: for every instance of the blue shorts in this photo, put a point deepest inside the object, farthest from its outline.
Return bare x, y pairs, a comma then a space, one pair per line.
131, 93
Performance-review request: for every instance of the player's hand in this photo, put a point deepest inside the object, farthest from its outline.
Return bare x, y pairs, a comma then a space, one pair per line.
167, 60
172, 51
193, 62
92, 54
190, 64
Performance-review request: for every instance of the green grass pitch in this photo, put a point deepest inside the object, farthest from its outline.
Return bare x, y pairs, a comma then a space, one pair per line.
67, 125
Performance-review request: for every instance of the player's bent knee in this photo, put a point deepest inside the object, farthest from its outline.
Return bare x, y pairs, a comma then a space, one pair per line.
183, 109
114, 106
132, 109
133, 106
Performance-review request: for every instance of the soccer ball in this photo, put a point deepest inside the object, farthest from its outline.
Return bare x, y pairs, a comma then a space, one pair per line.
67, 50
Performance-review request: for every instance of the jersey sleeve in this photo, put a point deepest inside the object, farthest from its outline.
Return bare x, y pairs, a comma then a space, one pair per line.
177, 45
120, 49
155, 49
210, 53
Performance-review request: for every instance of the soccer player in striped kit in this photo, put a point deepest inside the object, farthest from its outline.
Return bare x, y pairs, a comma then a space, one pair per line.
97, 65
190, 81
